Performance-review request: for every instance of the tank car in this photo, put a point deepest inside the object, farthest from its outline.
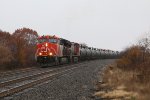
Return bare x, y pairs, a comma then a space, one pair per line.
83, 52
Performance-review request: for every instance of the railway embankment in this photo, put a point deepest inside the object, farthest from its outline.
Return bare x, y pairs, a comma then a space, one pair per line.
76, 84
128, 78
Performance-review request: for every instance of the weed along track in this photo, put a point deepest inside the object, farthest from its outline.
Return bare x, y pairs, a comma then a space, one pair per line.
19, 84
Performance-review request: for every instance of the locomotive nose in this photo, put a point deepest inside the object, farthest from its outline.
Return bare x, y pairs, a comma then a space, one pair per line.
44, 48
48, 49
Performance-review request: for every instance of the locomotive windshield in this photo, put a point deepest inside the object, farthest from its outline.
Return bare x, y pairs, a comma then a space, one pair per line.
42, 40
51, 40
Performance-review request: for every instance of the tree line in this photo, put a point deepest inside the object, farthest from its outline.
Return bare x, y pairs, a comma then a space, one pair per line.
17, 48
137, 59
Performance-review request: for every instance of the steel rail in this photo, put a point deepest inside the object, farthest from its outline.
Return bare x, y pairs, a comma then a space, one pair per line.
9, 73
4, 83
46, 76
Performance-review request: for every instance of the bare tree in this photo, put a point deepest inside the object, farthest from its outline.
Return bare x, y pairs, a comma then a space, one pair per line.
145, 42
25, 40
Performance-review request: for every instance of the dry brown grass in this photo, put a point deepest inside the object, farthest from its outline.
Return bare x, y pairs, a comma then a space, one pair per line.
119, 84
128, 78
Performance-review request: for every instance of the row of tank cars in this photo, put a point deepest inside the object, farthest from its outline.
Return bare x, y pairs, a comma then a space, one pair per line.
54, 50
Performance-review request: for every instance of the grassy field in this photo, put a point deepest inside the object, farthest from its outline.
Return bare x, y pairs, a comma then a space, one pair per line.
128, 78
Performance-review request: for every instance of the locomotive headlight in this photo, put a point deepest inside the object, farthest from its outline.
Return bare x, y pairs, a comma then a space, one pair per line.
50, 53
46, 44
40, 53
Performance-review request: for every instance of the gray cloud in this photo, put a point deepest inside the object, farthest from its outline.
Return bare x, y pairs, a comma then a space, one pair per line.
110, 24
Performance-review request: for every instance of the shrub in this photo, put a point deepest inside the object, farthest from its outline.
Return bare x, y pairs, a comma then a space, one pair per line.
6, 57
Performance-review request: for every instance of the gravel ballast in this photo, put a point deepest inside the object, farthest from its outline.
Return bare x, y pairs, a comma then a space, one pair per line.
78, 84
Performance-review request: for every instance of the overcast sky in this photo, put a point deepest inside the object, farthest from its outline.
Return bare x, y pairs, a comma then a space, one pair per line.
109, 24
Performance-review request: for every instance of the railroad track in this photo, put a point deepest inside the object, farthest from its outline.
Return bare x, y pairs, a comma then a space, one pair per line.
17, 75
18, 71
19, 84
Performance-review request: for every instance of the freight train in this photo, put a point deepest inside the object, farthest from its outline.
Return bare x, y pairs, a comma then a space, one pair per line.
52, 50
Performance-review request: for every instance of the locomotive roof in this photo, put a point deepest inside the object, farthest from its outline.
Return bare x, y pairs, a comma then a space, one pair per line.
75, 43
48, 36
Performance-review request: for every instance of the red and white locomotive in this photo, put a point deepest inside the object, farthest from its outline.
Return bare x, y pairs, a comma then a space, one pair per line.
55, 50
